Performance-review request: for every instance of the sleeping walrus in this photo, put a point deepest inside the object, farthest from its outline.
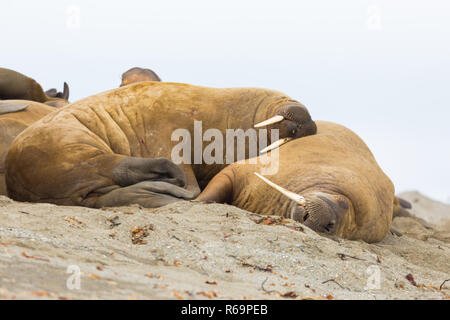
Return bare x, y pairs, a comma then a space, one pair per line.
14, 85
21, 115
111, 149
329, 181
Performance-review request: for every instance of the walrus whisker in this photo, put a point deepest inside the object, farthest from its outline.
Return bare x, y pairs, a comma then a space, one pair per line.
274, 145
274, 119
293, 196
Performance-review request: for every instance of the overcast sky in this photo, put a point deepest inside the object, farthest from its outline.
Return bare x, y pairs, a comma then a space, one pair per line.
379, 67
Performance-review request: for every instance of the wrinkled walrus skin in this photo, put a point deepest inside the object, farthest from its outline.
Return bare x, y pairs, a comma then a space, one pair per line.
107, 150
11, 124
345, 191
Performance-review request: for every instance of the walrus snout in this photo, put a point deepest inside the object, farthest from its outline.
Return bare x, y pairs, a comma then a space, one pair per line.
292, 121
321, 212
297, 122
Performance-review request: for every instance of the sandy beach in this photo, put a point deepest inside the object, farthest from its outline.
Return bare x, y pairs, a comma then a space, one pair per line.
190, 250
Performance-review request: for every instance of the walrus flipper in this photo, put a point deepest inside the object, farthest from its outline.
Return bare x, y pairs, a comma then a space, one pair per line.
149, 182
219, 189
6, 107
133, 170
404, 203
400, 208
395, 232
53, 93
149, 194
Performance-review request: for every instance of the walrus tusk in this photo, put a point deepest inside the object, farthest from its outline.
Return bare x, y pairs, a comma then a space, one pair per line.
293, 196
276, 144
272, 120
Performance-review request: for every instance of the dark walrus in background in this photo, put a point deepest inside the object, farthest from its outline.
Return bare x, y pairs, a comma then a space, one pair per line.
111, 149
14, 85
329, 181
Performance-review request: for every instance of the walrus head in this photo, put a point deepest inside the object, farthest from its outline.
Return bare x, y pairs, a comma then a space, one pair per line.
293, 121
137, 74
322, 212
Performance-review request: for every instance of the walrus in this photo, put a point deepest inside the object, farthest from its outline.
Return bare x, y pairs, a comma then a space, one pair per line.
22, 114
112, 149
329, 181
137, 74
14, 85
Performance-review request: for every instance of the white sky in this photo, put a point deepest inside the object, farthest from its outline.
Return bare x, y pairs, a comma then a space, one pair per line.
379, 67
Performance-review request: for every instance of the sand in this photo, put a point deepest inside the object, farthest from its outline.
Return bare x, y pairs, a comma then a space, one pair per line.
190, 250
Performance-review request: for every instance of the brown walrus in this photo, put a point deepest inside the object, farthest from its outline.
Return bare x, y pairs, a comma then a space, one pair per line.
137, 74
329, 181
14, 85
111, 149
13, 123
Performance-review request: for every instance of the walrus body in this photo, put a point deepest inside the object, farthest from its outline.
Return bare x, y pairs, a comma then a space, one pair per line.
14, 85
13, 123
109, 149
336, 184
